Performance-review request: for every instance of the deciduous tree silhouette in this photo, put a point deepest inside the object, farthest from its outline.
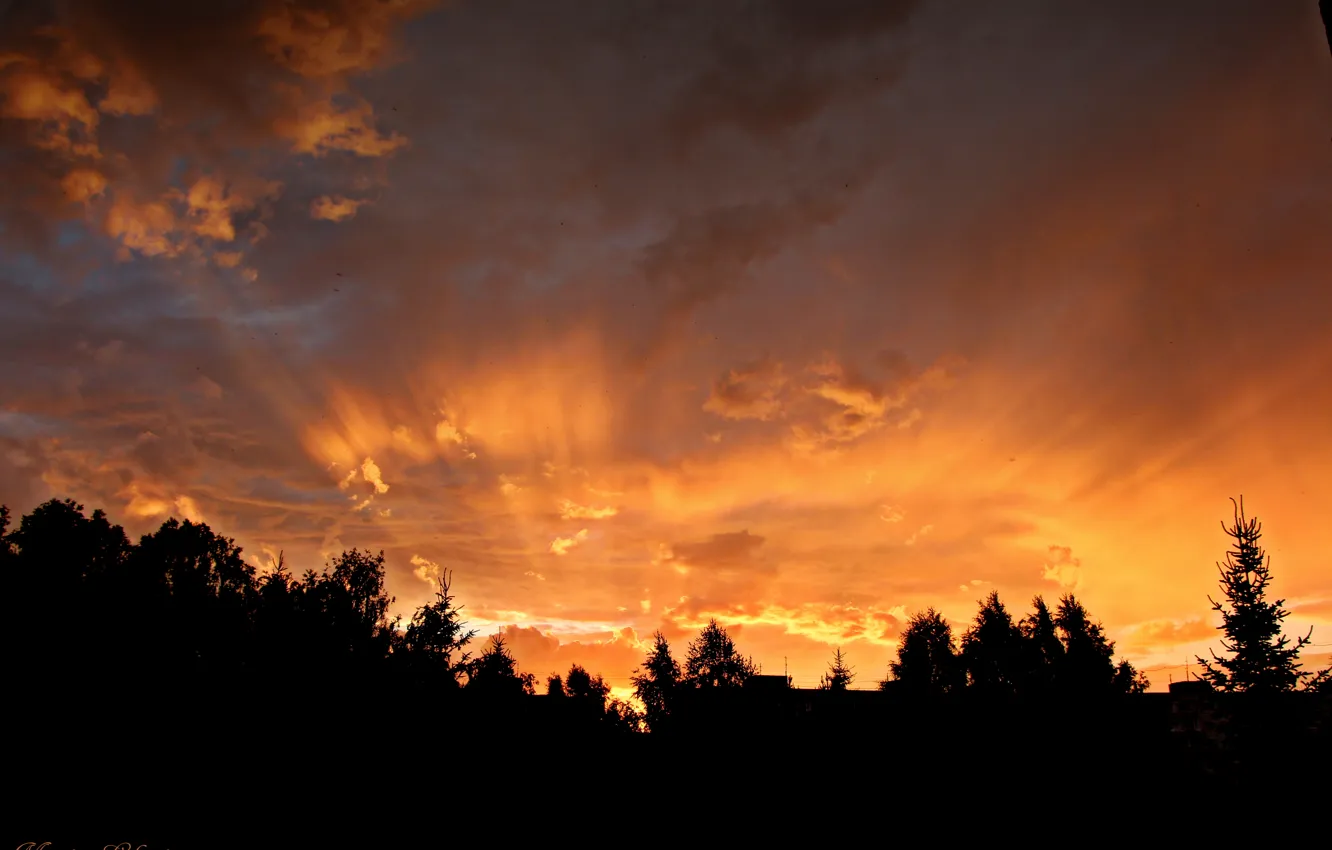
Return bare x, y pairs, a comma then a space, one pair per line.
1129, 680
714, 662
582, 685
839, 675
555, 686
194, 584
345, 609
656, 682
993, 651
622, 717
927, 663
1260, 658
59, 549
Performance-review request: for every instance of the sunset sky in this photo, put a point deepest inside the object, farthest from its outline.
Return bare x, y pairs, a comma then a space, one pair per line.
799, 315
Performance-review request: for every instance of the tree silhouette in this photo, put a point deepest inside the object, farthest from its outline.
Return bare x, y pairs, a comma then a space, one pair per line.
555, 686
656, 682
1043, 651
582, 685
992, 650
1260, 657
280, 636
714, 662
59, 549
1320, 682
195, 584
344, 612
927, 662
114, 619
1325, 9
434, 641
839, 675
1087, 665
495, 672
620, 716
1128, 680
6, 547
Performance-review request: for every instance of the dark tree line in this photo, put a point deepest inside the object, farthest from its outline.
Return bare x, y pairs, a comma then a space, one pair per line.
182, 606
712, 663
1043, 654
88, 611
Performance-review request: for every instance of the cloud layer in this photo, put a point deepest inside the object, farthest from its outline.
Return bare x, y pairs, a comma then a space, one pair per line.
803, 321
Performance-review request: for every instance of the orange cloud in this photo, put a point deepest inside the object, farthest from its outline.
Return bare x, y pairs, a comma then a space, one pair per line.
427, 571
748, 392
1063, 569
917, 535
1157, 636
829, 624
51, 92
169, 225
128, 93
613, 654
83, 184
352, 37
150, 228
212, 203
334, 208
66, 121
720, 550
562, 545
323, 126
569, 510
147, 500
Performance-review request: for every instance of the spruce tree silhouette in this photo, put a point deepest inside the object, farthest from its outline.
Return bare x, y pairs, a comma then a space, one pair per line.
434, 642
714, 662
1087, 665
992, 650
656, 683
1260, 658
1043, 651
495, 674
839, 676
927, 663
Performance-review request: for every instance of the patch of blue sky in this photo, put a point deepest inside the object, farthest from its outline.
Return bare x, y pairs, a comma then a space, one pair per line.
272, 490
25, 425
71, 233
29, 273
312, 323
